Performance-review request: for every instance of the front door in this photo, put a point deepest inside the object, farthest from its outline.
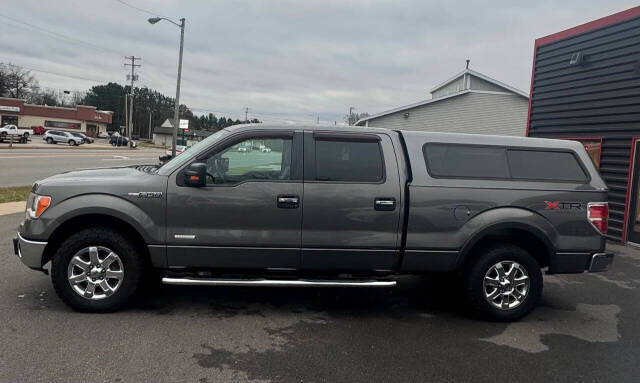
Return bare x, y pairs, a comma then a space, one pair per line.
249, 214
92, 130
633, 225
351, 203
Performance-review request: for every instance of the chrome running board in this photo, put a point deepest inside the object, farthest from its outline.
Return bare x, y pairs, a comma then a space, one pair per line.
275, 282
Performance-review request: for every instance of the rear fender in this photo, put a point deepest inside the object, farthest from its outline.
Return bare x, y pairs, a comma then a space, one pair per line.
500, 219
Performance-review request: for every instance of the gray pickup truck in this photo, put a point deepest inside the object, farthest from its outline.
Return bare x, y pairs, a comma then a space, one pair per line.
279, 205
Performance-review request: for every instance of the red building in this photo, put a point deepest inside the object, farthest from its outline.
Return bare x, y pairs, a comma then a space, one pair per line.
86, 119
585, 85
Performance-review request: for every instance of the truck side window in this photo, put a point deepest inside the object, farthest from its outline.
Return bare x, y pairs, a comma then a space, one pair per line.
547, 165
349, 161
466, 161
254, 159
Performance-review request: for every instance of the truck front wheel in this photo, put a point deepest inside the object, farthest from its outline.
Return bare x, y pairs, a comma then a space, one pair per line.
96, 270
504, 283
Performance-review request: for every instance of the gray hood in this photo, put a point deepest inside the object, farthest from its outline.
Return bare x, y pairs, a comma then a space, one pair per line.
117, 181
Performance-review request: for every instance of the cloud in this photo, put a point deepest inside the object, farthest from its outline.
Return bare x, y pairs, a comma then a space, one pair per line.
289, 60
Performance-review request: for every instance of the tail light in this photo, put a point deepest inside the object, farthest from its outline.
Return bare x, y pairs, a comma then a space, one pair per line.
598, 215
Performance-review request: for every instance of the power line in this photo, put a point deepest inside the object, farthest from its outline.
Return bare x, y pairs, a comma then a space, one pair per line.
137, 8
59, 35
68, 39
62, 75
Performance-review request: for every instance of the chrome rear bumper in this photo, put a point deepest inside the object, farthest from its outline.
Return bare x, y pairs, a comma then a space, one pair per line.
600, 262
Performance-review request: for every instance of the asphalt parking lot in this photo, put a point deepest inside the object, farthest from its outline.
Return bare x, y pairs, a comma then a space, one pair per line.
585, 329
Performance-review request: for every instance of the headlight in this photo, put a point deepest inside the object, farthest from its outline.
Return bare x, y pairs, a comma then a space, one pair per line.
38, 205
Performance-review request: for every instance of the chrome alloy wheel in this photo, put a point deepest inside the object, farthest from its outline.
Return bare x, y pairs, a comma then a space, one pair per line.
506, 285
95, 272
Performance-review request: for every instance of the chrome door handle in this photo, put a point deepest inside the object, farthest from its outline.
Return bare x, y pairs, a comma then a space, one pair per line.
288, 201
384, 204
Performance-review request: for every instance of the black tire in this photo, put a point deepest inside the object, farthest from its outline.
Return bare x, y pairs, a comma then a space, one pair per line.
132, 263
26, 135
49, 140
475, 276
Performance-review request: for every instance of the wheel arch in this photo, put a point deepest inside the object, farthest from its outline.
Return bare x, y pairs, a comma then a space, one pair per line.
524, 235
83, 221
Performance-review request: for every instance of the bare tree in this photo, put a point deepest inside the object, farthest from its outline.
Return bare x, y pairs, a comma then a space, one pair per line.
20, 82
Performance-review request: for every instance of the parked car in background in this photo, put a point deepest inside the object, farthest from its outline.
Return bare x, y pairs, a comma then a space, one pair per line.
12, 130
85, 139
377, 203
121, 141
38, 130
118, 140
179, 150
59, 136
243, 149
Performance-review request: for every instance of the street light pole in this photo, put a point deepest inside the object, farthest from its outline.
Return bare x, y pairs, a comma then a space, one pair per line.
176, 112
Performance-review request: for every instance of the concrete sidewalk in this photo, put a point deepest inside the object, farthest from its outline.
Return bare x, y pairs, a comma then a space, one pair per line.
12, 207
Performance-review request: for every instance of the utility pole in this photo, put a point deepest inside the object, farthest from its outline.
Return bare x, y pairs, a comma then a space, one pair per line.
126, 114
150, 113
133, 77
246, 112
176, 110
318, 120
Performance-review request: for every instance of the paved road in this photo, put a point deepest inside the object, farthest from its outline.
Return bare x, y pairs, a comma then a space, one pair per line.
586, 329
25, 166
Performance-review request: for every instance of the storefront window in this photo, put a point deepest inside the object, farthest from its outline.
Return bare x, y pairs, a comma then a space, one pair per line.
9, 120
62, 125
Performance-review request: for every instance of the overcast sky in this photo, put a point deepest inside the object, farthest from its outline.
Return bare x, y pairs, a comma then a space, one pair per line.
287, 60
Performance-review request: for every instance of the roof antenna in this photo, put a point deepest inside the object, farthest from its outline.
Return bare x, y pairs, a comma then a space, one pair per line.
468, 63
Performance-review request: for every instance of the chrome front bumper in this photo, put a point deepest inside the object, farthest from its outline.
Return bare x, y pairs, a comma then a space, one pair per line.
600, 262
29, 252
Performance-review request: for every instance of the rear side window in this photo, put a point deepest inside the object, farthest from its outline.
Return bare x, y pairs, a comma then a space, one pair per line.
545, 165
466, 161
348, 161
475, 161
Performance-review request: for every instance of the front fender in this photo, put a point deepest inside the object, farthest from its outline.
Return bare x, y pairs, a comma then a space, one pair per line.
149, 225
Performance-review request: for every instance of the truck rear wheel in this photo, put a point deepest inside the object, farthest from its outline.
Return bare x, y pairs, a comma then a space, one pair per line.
504, 283
96, 270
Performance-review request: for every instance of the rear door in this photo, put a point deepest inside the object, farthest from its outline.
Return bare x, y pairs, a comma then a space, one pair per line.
351, 202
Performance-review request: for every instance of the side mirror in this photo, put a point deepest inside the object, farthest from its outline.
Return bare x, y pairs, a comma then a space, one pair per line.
196, 174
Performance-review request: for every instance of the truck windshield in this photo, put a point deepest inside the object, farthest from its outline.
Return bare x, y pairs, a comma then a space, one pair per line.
188, 155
